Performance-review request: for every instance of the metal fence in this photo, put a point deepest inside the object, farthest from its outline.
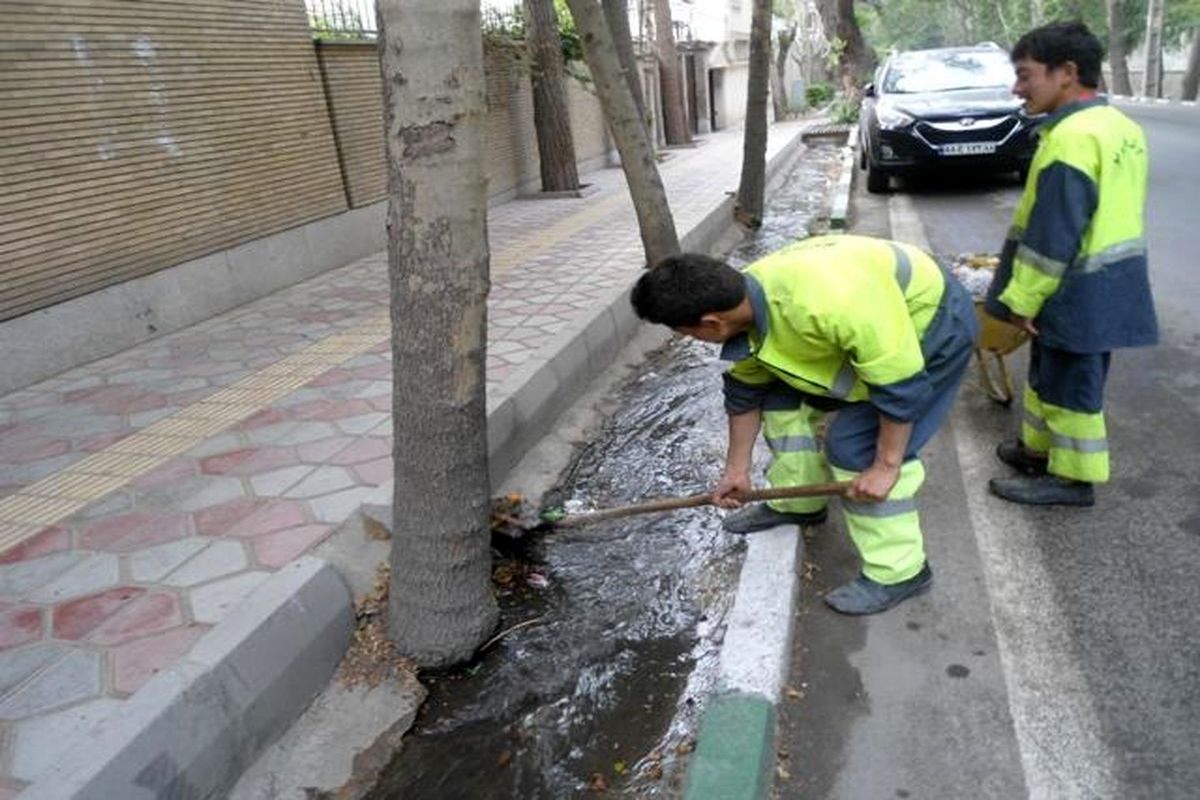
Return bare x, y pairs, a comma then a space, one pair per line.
341, 19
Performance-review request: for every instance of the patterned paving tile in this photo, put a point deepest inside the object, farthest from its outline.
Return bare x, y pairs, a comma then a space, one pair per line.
127, 532
78, 618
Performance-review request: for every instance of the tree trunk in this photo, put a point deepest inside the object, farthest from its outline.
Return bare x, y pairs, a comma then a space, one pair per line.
551, 119
675, 126
857, 59
1117, 60
828, 12
779, 95
1191, 78
655, 224
440, 605
1037, 12
1152, 79
617, 14
752, 188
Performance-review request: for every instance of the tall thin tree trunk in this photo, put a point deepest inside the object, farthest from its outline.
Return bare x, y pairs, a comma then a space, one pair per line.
655, 224
779, 95
1118, 62
1191, 78
1037, 12
857, 58
752, 188
1152, 79
617, 14
675, 126
551, 116
441, 606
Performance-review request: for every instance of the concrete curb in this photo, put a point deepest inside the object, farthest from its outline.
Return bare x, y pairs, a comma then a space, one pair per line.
839, 212
193, 729
537, 393
1160, 101
735, 746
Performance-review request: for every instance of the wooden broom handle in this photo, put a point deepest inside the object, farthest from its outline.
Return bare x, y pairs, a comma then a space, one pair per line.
703, 499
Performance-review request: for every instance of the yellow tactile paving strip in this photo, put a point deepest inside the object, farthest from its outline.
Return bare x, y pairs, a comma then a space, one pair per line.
56, 497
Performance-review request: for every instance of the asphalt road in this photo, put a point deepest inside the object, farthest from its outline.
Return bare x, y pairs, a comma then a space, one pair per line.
1058, 655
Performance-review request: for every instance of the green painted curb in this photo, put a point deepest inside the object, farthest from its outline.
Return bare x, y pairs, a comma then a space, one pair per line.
734, 750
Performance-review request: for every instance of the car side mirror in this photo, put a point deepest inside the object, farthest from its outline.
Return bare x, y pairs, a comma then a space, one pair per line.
869, 90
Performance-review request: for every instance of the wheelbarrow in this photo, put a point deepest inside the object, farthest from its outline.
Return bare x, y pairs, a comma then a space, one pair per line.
997, 339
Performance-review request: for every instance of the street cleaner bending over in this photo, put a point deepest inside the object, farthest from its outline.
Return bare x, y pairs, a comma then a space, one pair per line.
869, 329
1073, 270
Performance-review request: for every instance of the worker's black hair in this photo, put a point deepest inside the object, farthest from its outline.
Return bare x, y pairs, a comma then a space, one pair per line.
678, 290
1059, 42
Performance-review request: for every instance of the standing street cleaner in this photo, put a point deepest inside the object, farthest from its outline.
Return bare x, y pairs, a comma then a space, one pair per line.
1073, 270
871, 329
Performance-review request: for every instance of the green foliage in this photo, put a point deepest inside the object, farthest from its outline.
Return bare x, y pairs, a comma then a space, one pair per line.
844, 110
572, 46
818, 94
508, 27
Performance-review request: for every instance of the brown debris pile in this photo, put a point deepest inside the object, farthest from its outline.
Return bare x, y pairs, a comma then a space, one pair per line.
372, 657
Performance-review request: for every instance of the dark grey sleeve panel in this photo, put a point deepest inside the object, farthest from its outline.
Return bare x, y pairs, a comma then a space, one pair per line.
742, 397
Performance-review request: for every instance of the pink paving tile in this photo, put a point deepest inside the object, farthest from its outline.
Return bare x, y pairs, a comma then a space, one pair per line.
20, 624
170, 472
100, 394
361, 451
10, 788
154, 613
136, 662
249, 461
381, 371
96, 443
50, 540
381, 403
374, 472
77, 618
271, 516
217, 520
133, 531
332, 377
37, 450
278, 548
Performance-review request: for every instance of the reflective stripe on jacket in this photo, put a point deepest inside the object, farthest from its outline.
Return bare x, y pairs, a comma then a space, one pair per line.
841, 317
1075, 258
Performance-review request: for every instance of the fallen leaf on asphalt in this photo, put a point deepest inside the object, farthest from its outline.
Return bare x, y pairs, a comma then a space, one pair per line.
505, 759
783, 774
655, 772
794, 693
685, 747
597, 783
619, 767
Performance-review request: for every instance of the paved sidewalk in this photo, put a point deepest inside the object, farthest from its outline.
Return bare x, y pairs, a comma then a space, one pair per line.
142, 497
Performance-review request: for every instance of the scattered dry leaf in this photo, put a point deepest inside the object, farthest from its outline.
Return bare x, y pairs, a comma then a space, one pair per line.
793, 693
685, 747
782, 772
372, 657
597, 783
505, 759
375, 529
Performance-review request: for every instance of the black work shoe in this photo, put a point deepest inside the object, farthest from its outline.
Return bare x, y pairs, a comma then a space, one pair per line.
865, 596
1013, 453
761, 516
1047, 490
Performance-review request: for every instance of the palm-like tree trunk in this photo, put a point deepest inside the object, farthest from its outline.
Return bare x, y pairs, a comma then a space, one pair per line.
1152, 79
1191, 78
752, 188
655, 223
551, 117
616, 12
670, 76
441, 606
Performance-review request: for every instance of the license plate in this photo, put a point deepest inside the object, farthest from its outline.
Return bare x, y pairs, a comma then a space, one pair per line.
969, 149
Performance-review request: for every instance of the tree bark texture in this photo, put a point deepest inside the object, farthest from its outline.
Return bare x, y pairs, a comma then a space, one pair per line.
779, 97
441, 605
752, 187
857, 59
1191, 78
1152, 78
616, 12
675, 126
551, 117
827, 10
655, 223
1118, 62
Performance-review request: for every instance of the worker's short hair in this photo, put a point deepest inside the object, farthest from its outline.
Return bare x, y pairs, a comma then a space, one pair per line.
1059, 42
680, 289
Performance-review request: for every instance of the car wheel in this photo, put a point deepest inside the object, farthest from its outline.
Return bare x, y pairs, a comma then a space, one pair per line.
877, 180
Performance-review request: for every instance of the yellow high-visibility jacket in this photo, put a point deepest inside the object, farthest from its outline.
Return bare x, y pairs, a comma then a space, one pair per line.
840, 317
1075, 257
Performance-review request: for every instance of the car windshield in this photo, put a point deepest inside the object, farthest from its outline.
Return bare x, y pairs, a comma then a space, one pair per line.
934, 71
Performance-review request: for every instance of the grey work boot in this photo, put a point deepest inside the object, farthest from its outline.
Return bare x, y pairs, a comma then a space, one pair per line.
865, 596
1046, 490
761, 516
1013, 453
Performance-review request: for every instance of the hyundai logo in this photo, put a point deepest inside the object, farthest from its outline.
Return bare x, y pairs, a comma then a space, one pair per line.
967, 122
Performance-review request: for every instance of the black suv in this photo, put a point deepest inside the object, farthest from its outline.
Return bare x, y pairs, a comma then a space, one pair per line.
949, 107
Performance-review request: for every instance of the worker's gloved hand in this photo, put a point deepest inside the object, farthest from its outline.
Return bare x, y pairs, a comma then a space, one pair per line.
732, 484
873, 484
